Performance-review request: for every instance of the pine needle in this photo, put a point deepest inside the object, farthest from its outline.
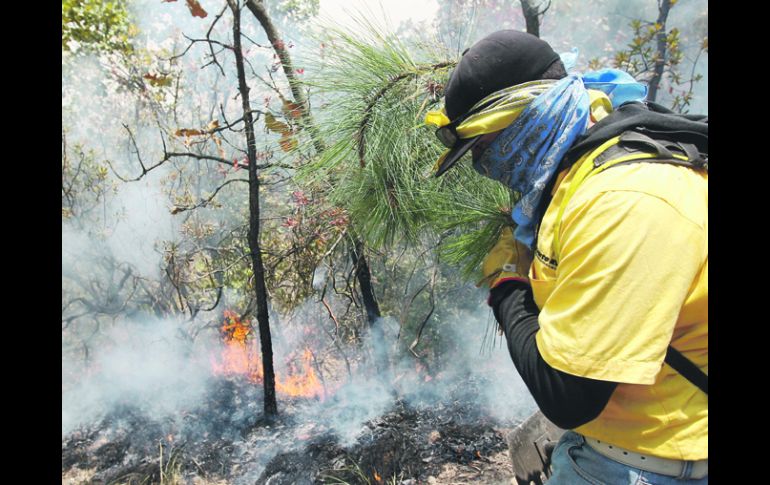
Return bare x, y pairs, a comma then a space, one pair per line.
372, 93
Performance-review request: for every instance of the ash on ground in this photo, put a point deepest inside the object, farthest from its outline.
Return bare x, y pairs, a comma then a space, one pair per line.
226, 440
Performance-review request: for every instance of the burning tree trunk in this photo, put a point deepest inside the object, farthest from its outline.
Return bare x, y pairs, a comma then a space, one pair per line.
660, 58
271, 407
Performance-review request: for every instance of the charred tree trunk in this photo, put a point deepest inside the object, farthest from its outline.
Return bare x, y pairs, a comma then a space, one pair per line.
364, 277
271, 406
532, 15
664, 7
363, 274
372, 308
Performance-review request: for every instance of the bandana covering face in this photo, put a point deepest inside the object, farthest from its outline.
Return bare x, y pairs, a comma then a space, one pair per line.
527, 153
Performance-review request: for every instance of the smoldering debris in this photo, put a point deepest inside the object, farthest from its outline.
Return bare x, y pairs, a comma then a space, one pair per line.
408, 425
406, 443
128, 446
227, 438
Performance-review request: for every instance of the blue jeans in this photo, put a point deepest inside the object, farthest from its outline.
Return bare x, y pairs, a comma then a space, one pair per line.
576, 463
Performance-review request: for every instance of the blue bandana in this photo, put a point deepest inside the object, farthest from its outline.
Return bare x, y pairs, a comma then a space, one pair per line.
526, 155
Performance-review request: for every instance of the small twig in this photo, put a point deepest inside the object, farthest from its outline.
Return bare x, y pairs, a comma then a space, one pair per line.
432, 308
253, 42
331, 315
542, 12
211, 48
207, 201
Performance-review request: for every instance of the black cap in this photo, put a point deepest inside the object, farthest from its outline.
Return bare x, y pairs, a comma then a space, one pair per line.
502, 59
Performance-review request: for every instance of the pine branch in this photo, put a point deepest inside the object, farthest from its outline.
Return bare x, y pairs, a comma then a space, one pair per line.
368, 110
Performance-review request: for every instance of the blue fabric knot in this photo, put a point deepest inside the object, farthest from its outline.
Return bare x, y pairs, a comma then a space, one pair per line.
526, 154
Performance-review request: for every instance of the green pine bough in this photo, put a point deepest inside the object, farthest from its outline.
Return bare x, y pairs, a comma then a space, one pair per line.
371, 94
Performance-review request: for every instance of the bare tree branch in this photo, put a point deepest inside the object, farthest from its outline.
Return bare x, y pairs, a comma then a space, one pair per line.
270, 404
425, 320
207, 200
531, 16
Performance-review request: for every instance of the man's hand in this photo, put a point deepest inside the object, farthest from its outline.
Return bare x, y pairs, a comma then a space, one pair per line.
509, 259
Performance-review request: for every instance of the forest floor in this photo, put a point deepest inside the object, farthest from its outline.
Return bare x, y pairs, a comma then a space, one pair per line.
225, 441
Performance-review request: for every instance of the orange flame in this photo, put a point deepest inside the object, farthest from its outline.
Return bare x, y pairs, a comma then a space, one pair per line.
241, 357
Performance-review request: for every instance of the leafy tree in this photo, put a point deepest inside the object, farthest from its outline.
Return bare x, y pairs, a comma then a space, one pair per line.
666, 57
96, 25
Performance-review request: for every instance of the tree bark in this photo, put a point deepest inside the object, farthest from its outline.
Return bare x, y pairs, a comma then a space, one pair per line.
664, 7
372, 308
364, 277
270, 406
363, 274
531, 17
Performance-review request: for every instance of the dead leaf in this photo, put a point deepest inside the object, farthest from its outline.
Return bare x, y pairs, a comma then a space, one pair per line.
287, 142
275, 125
158, 80
219, 146
195, 9
213, 125
291, 110
188, 132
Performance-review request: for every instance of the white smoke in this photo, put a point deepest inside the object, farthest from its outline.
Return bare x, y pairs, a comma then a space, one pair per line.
145, 221
145, 364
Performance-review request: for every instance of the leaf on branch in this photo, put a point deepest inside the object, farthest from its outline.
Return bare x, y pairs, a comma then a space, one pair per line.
287, 142
291, 110
176, 209
240, 163
219, 146
188, 132
213, 125
276, 126
158, 80
195, 9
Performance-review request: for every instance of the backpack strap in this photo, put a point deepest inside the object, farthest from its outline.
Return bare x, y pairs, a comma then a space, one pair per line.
687, 369
667, 151
628, 147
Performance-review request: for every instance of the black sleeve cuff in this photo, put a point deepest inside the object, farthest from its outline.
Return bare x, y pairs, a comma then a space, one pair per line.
567, 400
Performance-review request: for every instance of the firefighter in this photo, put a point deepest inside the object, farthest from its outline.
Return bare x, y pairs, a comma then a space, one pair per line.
601, 283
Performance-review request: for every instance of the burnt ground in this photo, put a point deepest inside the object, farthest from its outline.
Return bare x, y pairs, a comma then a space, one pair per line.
407, 444
226, 441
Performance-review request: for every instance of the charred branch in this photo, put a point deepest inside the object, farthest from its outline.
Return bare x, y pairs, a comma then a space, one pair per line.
664, 6
533, 14
432, 301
